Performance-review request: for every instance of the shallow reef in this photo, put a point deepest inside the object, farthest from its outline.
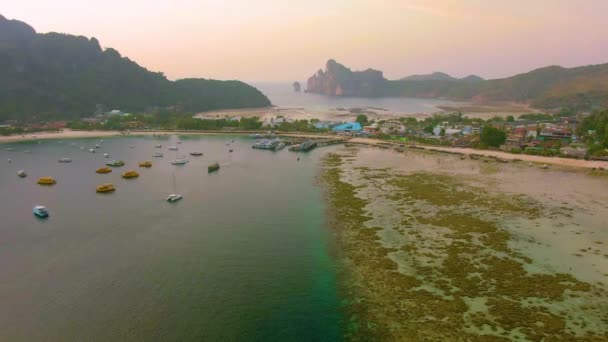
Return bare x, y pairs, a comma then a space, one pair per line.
428, 257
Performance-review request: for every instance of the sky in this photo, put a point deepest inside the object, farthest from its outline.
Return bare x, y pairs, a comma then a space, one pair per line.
283, 40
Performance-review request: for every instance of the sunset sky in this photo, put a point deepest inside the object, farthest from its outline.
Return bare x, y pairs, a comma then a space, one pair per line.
278, 40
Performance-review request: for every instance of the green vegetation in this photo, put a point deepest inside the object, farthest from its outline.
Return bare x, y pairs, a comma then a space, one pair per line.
493, 137
58, 76
594, 129
362, 119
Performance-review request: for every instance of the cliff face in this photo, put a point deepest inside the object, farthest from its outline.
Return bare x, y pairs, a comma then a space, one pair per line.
338, 80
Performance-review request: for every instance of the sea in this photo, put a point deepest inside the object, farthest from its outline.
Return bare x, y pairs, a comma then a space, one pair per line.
244, 256
282, 95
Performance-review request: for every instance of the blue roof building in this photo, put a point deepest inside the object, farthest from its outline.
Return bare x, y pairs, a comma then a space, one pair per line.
348, 127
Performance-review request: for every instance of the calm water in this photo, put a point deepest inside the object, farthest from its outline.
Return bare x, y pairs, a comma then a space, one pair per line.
244, 256
282, 95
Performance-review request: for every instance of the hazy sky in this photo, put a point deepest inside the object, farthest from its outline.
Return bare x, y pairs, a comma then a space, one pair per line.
276, 40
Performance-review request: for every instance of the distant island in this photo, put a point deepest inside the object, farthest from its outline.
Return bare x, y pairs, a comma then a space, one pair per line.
297, 87
61, 76
550, 88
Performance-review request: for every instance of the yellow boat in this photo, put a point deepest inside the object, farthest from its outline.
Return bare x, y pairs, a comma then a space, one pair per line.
108, 187
130, 174
104, 170
146, 163
46, 181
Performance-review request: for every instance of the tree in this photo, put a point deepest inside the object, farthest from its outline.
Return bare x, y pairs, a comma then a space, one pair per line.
493, 137
510, 118
362, 119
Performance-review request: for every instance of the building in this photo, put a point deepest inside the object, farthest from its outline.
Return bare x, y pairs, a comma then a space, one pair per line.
349, 127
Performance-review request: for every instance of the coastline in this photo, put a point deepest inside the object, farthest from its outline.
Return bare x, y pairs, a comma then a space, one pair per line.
83, 134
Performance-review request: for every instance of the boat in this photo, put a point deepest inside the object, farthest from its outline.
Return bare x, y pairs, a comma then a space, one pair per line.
196, 153
83, 148
213, 167
96, 145
174, 198
115, 163
172, 148
27, 151
130, 174
10, 160
40, 211
267, 144
158, 146
65, 160
104, 188
146, 163
9, 149
105, 155
103, 170
157, 155
231, 150
179, 142
92, 150
21, 173
180, 161
47, 181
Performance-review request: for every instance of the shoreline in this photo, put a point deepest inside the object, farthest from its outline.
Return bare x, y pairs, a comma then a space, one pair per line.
467, 151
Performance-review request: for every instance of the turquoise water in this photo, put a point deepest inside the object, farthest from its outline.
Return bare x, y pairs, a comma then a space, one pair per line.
244, 256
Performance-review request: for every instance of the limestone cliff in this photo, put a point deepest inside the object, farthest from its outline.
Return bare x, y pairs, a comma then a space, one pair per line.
338, 80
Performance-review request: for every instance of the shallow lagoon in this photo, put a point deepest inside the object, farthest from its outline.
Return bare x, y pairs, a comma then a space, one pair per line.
243, 256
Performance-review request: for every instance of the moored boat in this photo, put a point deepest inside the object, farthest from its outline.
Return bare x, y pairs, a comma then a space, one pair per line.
179, 161
47, 181
21, 173
103, 170
104, 188
115, 163
92, 150
158, 146
157, 155
196, 153
65, 160
40, 211
172, 148
174, 197
105, 155
146, 163
130, 174
213, 167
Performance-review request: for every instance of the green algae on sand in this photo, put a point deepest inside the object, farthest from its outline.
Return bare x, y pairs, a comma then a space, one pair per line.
441, 267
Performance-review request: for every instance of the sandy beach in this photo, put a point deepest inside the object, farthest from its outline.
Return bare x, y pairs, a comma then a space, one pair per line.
589, 164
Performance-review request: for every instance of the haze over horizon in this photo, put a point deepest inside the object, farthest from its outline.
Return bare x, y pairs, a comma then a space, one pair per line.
265, 40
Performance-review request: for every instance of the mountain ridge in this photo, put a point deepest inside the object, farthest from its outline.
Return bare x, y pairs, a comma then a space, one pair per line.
553, 87
62, 76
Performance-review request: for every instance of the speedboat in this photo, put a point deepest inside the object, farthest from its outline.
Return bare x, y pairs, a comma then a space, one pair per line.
213, 167
47, 181
104, 188
65, 160
146, 163
172, 148
21, 173
115, 163
157, 155
106, 155
174, 198
179, 161
103, 170
196, 153
130, 174
40, 211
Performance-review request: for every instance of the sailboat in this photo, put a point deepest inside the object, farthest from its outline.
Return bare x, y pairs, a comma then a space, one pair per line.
174, 197
179, 160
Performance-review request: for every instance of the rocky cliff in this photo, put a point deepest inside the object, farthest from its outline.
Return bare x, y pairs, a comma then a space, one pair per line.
338, 80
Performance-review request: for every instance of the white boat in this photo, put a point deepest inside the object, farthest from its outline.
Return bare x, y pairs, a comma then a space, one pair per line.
172, 148
10, 160
9, 149
157, 155
65, 160
21, 173
96, 145
92, 150
179, 161
174, 197
158, 146
40, 211
27, 151
83, 148
106, 155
